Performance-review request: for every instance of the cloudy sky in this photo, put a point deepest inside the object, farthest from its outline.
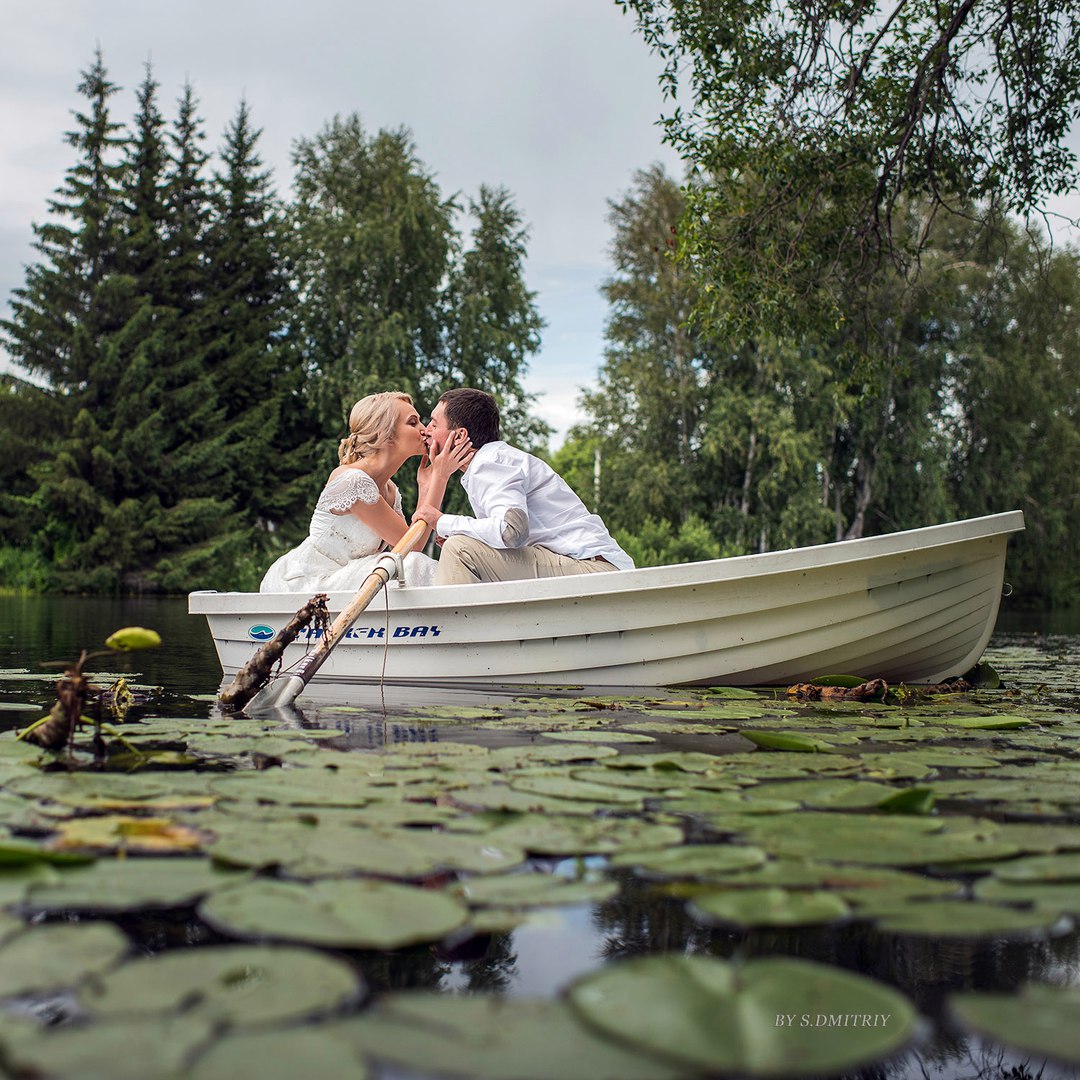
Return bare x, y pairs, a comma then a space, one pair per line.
556, 100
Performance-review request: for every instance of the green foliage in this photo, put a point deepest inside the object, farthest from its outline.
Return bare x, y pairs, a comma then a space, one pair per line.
971, 409
22, 570
187, 346
811, 124
658, 543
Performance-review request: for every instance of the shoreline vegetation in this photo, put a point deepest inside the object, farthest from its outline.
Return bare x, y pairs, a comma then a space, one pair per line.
187, 345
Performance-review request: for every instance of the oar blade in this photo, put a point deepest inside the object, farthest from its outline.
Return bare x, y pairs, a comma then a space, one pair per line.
276, 694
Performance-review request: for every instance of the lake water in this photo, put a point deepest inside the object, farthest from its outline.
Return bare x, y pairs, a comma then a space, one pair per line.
535, 947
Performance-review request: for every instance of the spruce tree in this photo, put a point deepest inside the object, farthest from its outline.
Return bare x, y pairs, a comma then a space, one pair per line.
269, 449
56, 322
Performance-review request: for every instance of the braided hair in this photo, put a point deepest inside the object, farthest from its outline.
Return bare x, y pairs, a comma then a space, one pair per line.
371, 425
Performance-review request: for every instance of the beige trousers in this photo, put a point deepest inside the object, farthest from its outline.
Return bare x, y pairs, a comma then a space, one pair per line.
465, 560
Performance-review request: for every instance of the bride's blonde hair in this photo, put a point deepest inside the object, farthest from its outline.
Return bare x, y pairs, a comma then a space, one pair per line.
371, 425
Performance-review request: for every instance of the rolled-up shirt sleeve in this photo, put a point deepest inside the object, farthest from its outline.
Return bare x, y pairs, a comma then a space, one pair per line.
496, 487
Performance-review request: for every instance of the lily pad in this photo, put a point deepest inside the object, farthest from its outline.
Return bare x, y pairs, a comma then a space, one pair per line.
964, 919
318, 849
58, 955
894, 840
491, 1038
1040, 1020
1040, 868
608, 738
280, 1055
692, 860
795, 741
128, 884
706, 1014
134, 835
551, 835
347, 914
235, 984
769, 907
581, 790
112, 1050
1060, 897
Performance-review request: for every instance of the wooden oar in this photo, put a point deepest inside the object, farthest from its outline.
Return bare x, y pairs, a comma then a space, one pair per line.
287, 687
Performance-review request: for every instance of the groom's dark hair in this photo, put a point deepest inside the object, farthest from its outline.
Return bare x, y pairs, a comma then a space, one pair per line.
473, 410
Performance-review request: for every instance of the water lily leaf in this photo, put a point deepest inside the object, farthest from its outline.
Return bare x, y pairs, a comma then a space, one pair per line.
731, 692
707, 713
606, 737
347, 914
795, 741
983, 676
912, 800
62, 786
1059, 897
112, 1050
829, 793
532, 890
136, 835
680, 727
1040, 1019
295, 787
58, 955
690, 761
16, 881
964, 919
551, 835
280, 1055
895, 840
1003, 722
514, 757
581, 790
752, 801
491, 1038
235, 984
15, 852
768, 907
1040, 868
505, 798
714, 1016
646, 780
317, 849
129, 884
693, 860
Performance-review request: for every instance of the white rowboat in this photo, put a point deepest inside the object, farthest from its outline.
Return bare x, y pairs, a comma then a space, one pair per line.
915, 607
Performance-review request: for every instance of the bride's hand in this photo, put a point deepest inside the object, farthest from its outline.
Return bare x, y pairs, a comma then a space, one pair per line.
455, 454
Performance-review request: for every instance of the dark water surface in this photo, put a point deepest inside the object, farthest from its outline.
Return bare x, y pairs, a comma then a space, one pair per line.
1037, 657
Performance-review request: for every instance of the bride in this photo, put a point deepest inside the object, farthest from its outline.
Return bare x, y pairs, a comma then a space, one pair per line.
358, 515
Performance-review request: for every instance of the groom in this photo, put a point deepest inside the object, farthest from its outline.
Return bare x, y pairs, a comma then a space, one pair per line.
528, 523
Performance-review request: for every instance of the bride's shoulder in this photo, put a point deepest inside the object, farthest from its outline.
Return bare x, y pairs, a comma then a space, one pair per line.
345, 486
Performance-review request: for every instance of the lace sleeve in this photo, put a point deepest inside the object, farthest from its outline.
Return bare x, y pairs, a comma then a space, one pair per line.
353, 485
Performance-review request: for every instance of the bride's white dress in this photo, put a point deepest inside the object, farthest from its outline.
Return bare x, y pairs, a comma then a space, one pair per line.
340, 550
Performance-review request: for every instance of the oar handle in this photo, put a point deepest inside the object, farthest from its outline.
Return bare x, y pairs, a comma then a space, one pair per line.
368, 591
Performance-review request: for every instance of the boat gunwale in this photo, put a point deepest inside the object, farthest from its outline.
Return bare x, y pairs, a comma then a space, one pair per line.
644, 579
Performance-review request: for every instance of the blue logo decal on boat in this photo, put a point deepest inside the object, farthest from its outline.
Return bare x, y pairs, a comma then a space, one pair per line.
261, 632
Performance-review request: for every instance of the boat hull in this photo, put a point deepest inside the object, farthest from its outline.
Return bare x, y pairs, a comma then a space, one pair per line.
915, 607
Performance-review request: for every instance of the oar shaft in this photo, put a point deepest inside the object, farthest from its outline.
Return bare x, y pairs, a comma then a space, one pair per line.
287, 688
